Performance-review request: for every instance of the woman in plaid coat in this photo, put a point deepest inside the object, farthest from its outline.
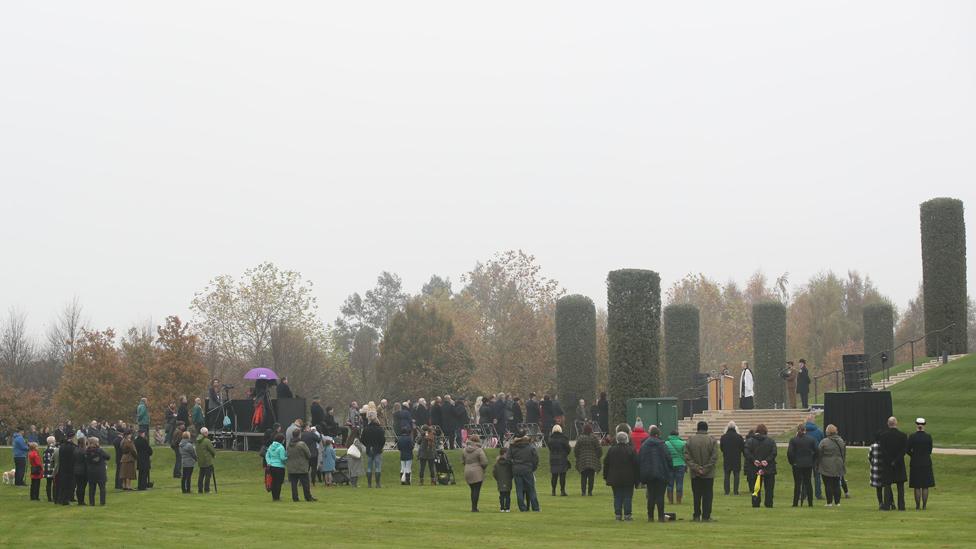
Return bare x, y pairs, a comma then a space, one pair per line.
874, 457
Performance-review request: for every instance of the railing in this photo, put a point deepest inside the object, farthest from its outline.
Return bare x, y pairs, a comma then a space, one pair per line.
887, 356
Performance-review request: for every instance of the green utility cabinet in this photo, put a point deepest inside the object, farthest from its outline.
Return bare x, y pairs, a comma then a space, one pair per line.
662, 412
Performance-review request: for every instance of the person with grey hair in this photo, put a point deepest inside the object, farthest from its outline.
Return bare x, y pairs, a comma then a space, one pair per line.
96, 460
50, 459
732, 446
621, 472
894, 444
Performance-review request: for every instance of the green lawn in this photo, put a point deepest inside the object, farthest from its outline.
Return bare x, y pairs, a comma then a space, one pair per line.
242, 515
945, 397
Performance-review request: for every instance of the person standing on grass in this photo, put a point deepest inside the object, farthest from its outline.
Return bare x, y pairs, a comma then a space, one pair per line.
405, 446
97, 465
20, 450
127, 471
893, 445
676, 484
36, 471
205, 460
50, 469
298, 467
426, 450
313, 439
199, 420
65, 478
276, 457
621, 471
374, 439
817, 435
701, 456
475, 462
588, 453
355, 463
81, 470
188, 460
558, 459
802, 455
328, 460
145, 459
831, 458
732, 446
502, 471
655, 471
525, 460
874, 459
761, 452
920, 477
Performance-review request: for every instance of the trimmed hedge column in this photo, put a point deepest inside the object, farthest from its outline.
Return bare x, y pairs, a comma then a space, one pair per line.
879, 333
575, 354
944, 274
633, 329
682, 356
769, 351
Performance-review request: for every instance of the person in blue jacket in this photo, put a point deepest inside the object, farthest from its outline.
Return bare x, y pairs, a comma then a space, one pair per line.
405, 446
814, 432
20, 456
655, 471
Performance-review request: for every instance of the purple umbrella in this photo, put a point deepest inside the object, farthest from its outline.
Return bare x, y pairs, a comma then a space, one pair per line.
260, 373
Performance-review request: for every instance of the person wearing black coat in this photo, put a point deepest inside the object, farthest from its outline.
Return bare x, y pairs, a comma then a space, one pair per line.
517, 417
330, 427
558, 459
920, 475
802, 454
732, 446
312, 438
437, 414
144, 461
65, 480
546, 416
532, 410
374, 439
486, 415
284, 391
460, 419
893, 445
117, 443
621, 471
421, 416
760, 451
81, 472
655, 470
499, 414
183, 412
318, 414
803, 384
96, 461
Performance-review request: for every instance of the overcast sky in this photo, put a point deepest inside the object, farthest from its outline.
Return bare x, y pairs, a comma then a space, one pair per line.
148, 147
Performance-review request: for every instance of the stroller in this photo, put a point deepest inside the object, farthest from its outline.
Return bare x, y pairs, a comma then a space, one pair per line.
341, 475
442, 466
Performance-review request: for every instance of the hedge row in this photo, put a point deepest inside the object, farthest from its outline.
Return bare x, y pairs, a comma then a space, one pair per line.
769, 351
879, 333
633, 331
682, 354
575, 353
944, 274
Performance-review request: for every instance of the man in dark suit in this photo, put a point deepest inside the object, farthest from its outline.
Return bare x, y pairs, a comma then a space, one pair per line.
284, 391
532, 409
893, 445
499, 415
145, 459
803, 384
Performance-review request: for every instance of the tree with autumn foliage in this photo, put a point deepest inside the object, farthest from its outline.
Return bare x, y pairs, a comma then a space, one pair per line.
176, 367
96, 384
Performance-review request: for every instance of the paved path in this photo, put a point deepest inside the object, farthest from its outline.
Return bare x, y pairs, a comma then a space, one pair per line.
944, 451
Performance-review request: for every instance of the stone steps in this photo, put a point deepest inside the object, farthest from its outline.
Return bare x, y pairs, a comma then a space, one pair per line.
908, 374
777, 421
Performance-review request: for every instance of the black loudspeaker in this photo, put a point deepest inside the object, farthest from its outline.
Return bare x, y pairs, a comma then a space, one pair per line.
288, 410
856, 374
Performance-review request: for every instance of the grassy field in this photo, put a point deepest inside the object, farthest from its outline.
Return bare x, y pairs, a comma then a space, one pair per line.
945, 396
899, 368
243, 515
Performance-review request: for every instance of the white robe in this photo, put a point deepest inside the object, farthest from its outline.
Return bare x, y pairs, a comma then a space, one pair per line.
746, 384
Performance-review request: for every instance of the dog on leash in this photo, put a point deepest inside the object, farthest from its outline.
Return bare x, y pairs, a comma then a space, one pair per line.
9, 476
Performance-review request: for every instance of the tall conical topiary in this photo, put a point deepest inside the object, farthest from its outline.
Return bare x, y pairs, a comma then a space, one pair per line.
769, 351
682, 355
944, 274
879, 333
633, 331
575, 353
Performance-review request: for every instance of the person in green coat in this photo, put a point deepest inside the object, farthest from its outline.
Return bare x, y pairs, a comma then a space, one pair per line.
205, 461
676, 447
197, 415
142, 415
701, 455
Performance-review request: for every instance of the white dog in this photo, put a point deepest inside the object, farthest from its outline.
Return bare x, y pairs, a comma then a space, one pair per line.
9, 476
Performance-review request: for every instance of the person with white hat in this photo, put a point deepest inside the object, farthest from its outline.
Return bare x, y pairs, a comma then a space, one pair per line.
920, 476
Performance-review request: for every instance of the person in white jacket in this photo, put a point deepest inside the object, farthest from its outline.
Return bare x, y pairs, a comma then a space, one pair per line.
747, 388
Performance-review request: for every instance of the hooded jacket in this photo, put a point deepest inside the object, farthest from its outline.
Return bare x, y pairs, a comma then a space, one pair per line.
621, 468
405, 445
637, 437
525, 458
655, 461
831, 457
502, 471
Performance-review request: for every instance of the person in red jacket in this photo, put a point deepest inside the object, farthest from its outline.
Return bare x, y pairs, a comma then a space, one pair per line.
36, 471
638, 435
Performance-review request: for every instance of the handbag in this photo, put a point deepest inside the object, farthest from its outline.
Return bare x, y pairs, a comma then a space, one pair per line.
354, 452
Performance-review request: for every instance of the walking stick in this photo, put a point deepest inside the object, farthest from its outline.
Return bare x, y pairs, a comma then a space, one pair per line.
213, 473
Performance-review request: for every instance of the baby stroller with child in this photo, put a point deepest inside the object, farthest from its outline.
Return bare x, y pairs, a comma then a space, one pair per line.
442, 466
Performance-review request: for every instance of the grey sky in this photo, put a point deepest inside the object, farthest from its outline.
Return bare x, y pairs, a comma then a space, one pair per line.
145, 148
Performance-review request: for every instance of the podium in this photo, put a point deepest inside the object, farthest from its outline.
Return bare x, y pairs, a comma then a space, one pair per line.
721, 394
